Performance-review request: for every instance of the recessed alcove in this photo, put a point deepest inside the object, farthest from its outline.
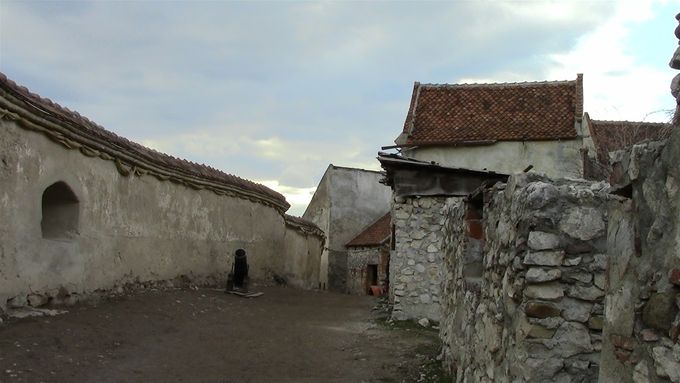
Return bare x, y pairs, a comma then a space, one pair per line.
60, 212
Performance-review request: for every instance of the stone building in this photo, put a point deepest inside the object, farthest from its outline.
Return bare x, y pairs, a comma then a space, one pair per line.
499, 127
467, 135
368, 256
419, 191
85, 210
570, 280
566, 280
345, 202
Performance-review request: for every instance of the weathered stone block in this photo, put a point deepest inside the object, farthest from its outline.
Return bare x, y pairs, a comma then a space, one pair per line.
576, 310
574, 261
577, 276
576, 366
624, 342
675, 61
550, 322
540, 194
641, 373
660, 311
542, 370
599, 281
596, 323
549, 292
649, 335
541, 310
570, 339
540, 332
666, 363
544, 258
599, 262
584, 223
586, 293
538, 275
36, 300
674, 277
540, 240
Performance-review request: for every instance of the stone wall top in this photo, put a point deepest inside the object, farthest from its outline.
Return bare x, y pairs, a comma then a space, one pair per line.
74, 131
304, 226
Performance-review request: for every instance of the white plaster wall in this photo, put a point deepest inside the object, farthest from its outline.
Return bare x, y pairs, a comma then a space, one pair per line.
553, 158
130, 227
318, 211
302, 258
345, 202
358, 199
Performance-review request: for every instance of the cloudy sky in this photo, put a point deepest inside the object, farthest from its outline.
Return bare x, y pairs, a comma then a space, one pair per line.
276, 91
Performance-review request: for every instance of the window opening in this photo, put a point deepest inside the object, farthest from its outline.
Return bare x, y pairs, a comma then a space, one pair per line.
60, 211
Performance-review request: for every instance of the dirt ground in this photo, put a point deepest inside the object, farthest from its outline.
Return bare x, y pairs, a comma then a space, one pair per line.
205, 335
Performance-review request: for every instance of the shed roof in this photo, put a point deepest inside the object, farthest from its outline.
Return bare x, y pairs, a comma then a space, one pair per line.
469, 114
75, 131
375, 234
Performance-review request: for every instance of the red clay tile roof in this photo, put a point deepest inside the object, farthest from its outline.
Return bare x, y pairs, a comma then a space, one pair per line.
75, 131
443, 114
609, 136
376, 234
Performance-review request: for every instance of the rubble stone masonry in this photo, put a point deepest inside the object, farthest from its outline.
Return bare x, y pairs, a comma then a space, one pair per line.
524, 281
642, 310
416, 262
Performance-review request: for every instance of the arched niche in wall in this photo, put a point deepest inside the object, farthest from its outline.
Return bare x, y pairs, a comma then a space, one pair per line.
60, 212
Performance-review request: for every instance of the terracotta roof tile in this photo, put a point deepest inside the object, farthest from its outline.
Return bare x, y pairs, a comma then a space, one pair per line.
375, 234
609, 136
82, 127
443, 114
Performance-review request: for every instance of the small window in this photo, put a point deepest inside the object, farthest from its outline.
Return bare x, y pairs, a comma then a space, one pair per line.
59, 212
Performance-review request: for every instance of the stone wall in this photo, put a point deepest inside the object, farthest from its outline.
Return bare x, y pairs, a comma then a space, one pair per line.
416, 262
85, 211
642, 321
303, 244
523, 297
358, 258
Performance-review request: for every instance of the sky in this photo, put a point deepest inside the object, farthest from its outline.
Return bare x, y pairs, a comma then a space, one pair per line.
276, 91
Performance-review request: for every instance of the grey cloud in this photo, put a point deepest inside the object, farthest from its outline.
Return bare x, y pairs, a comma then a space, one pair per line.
331, 79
